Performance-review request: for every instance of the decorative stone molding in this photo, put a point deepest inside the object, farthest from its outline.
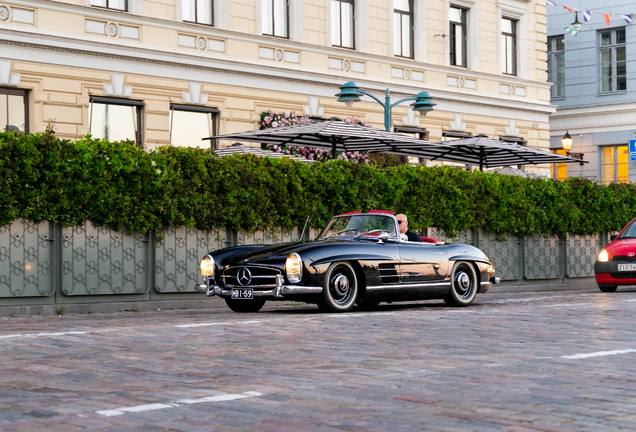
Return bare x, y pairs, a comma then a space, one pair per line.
461, 82
347, 65
407, 74
112, 29
17, 14
194, 96
278, 54
201, 43
457, 125
512, 90
512, 130
6, 76
313, 110
116, 86
409, 119
5, 13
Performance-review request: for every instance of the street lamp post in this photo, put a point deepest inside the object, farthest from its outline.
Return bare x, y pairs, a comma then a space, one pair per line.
350, 93
566, 141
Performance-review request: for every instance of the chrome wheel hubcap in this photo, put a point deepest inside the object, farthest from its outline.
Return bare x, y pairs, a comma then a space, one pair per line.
341, 284
463, 284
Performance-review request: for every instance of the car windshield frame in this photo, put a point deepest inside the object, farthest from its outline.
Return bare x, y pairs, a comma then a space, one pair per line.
629, 232
328, 231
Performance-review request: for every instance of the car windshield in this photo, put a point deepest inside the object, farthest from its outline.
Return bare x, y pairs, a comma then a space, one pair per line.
629, 232
354, 225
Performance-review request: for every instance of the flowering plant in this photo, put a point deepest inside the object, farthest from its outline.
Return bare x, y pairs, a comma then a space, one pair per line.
272, 119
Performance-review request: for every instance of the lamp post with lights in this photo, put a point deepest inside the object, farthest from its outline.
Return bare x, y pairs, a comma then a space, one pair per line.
350, 93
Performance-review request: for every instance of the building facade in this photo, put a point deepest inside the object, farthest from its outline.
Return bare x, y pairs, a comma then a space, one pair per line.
170, 72
594, 87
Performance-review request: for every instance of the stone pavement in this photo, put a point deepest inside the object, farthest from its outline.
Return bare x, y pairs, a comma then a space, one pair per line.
549, 361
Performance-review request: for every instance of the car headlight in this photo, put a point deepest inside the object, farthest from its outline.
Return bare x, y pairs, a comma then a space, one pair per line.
603, 256
294, 268
207, 266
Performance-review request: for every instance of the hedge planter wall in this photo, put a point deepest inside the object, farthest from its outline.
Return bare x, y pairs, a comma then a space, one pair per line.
119, 186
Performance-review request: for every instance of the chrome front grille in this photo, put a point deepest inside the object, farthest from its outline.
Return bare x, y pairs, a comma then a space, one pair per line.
257, 277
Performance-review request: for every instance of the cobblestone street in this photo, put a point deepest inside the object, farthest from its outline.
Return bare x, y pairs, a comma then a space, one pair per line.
548, 361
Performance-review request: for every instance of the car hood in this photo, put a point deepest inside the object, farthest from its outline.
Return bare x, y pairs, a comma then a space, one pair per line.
621, 247
274, 255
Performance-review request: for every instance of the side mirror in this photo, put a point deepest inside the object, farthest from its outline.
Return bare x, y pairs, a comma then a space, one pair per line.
613, 237
384, 236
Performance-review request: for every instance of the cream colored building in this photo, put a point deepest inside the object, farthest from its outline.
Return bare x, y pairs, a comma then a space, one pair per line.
141, 68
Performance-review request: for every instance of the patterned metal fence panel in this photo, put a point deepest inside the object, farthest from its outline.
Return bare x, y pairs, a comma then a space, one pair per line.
98, 260
542, 257
581, 253
463, 237
178, 254
505, 254
276, 236
27, 252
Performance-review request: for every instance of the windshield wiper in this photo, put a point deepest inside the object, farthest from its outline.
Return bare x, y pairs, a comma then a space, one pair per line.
370, 232
340, 232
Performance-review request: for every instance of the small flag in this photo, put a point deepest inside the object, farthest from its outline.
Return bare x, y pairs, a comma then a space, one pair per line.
607, 17
571, 30
568, 8
587, 15
627, 18
550, 2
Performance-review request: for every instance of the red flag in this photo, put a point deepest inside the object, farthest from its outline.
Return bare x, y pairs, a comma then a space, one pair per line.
607, 18
568, 8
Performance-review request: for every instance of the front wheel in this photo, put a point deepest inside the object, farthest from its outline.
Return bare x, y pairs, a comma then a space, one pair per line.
464, 285
340, 288
608, 288
245, 306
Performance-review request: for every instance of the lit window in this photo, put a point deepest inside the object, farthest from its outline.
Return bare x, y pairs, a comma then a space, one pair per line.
509, 46
189, 125
198, 11
613, 61
556, 65
342, 25
458, 37
116, 119
614, 164
14, 112
559, 170
276, 18
403, 28
120, 5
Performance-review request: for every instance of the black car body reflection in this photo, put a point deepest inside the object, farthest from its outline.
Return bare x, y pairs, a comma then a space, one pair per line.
358, 259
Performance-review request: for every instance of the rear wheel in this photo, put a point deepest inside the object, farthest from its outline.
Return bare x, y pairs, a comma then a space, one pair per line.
608, 288
340, 289
245, 306
463, 285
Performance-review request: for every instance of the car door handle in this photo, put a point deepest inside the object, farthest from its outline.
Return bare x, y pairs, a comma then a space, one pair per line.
436, 266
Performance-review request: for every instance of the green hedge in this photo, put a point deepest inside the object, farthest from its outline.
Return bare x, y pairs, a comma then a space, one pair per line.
119, 185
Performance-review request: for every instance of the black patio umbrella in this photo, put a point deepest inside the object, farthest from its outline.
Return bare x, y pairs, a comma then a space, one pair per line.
489, 152
339, 135
240, 149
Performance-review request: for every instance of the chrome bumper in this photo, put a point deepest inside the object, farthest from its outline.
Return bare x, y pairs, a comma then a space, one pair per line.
280, 291
485, 286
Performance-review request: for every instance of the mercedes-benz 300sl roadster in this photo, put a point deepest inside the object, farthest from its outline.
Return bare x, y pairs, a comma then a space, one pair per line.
360, 258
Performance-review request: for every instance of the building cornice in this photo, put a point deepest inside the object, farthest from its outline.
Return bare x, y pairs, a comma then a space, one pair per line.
215, 32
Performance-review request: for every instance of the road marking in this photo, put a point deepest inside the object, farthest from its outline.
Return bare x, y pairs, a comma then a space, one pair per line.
355, 314
216, 323
568, 304
34, 335
598, 354
159, 406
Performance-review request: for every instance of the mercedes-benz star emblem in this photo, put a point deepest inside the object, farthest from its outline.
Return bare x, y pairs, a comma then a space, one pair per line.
244, 276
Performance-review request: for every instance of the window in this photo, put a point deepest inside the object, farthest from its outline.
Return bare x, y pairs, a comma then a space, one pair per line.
403, 28
14, 110
198, 11
342, 25
458, 36
556, 65
116, 119
120, 5
276, 18
559, 170
614, 164
613, 64
509, 46
189, 125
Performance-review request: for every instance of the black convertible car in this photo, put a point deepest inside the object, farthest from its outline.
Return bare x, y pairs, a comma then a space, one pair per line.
359, 258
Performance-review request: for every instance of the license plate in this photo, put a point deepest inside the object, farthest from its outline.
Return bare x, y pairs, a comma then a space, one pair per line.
627, 267
242, 294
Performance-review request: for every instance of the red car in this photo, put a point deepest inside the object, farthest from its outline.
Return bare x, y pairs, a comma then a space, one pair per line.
616, 263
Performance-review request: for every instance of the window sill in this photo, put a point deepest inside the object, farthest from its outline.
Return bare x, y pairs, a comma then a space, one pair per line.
553, 98
612, 93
